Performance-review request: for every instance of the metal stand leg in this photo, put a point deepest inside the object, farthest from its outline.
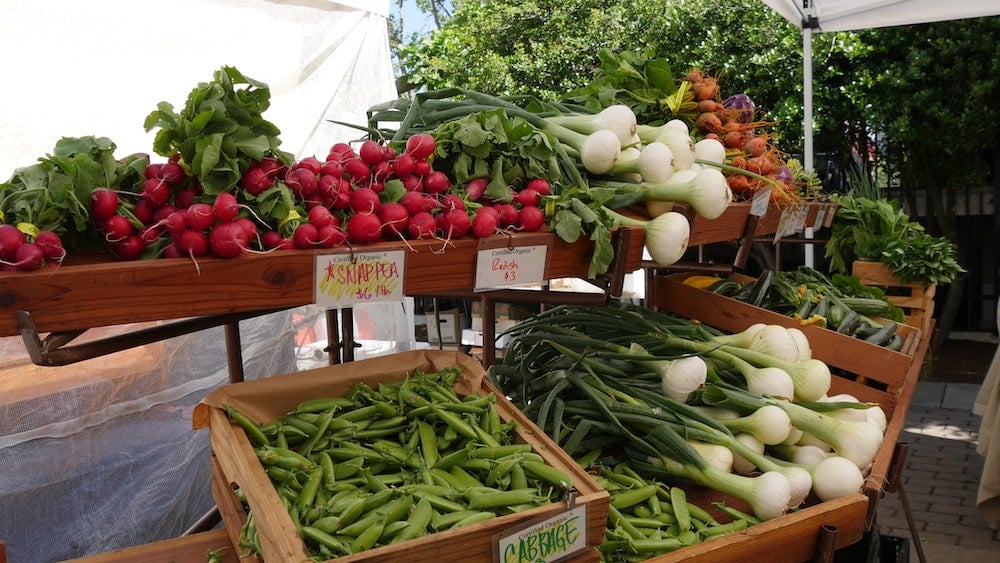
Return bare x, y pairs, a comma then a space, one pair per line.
896, 484
204, 524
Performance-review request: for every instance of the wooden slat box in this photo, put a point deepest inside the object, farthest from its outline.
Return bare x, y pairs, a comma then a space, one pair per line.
795, 536
916, 299
878, 364
267, 399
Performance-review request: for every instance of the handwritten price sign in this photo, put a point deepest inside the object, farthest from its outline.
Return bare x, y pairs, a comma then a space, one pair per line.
343, 280
504, 267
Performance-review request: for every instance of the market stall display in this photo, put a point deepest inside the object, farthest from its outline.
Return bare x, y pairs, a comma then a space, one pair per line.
439, 179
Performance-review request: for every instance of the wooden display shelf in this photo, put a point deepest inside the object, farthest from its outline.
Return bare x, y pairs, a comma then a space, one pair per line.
88, 291
185, 548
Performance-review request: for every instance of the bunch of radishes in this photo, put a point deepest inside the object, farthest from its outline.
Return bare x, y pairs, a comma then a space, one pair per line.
348, 201
128, 223
19, 251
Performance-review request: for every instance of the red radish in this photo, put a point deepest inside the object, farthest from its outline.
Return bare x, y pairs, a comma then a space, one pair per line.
228, 239
117, 228
422, 167
320, 217
152, 171
172, 174
403, 165
10, 240
530, 218
420, 145
415, 202
363, 227
341, 152
302, 182
51, 245
156, 191
305, 236
371, 152
528, 197
249, 226
192, 243
29, 257
422, 225
413, 183
225, 207
540, 185
475, 188
171, 251
358, 172
273, 167
485, 222
144, 211
394, 218
454, 223
452, 201
273, 239
151, 233
382, 170
437, 182
342, 198
255, 180
377, 187
131, 248
185, 197
332, 168
200, 216
163, 212
330, 236
365, 200
176, 222
508, 213
327, 186
310, 163
388, 153
103, 203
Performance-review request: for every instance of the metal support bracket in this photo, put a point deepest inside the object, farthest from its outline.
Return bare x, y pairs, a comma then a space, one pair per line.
55, 349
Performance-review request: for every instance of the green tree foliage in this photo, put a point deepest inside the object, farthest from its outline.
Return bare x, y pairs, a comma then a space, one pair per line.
544, 47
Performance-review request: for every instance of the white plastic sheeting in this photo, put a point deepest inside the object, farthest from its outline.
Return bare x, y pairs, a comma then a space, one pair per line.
814, 16
100, 455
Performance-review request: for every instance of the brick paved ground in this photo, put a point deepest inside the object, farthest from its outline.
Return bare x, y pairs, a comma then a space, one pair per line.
941, 479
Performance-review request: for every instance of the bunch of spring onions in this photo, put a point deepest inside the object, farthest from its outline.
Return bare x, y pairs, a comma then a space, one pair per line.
746, 414
603, 164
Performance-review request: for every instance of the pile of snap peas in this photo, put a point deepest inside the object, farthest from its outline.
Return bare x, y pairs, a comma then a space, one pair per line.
647, 518
392, 463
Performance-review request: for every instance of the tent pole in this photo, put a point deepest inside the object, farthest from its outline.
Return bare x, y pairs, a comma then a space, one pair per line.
807, 102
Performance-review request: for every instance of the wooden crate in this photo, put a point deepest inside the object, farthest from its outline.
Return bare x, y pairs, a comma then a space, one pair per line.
795, 536
886, 370
916, 299
266, 399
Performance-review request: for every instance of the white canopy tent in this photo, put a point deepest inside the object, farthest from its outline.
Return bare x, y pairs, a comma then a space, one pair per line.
815, 16
100, 454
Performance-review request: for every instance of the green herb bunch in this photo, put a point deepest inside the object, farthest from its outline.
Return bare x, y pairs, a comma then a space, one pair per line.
878, 230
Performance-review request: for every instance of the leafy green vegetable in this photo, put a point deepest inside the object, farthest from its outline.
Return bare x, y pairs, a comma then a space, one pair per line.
220, 131
54, 193
878, 230
641, 81
923, 258
490, 144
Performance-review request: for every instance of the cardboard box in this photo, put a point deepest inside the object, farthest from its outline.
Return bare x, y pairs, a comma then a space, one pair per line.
266, 399
472, 337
